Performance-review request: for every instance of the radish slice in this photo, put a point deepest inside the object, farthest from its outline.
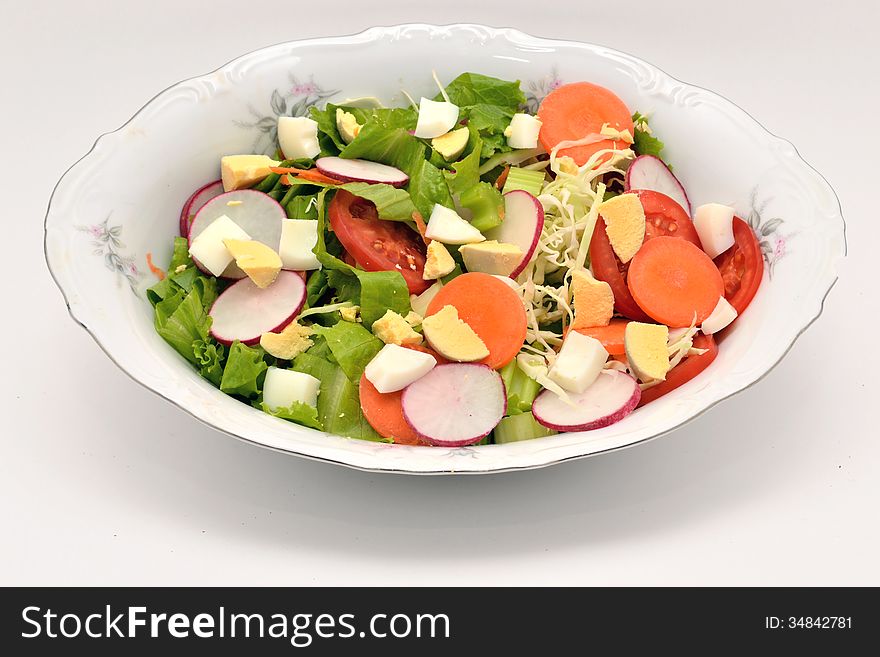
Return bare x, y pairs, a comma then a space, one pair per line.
244, 311
259, 215
522, 225
195, 203
352, 170
609, 399
455, 404
650, 172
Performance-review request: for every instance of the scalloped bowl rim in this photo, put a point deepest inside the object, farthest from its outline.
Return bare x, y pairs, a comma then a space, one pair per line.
517, 456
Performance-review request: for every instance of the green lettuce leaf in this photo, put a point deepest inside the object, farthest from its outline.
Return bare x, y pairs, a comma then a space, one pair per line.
391, 203
474, 88
244, 372
209, 359
465, 173
316, 287
182, 320
339, 408
382, 291
297, 412
645, 143
302, 206
393, 146
397, 148
490, 122
427, 187
162, 290
390, 118
346, 285
180, 254
352, 346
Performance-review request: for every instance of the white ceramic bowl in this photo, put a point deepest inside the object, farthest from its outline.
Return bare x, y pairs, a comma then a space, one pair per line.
121, 201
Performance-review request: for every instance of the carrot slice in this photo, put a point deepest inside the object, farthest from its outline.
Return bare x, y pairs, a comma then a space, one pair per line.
158, 272
427, 350
420, 226
672, 281
312, 175
384, 412
577, 110
610, 336
491, 308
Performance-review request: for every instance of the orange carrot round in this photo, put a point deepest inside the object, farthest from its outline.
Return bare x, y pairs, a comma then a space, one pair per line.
491, 308
674, 281
577, 110
385, 414
610, 336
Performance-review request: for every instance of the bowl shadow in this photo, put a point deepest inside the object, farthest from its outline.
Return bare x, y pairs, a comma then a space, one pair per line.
200, 480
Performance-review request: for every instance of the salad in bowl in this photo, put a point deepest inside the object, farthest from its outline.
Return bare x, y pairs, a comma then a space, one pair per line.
466, 269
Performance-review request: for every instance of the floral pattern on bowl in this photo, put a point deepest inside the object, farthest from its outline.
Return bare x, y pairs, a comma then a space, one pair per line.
97, 202
295, 100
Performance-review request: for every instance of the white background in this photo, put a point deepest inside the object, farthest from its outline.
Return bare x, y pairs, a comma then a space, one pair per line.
103, 483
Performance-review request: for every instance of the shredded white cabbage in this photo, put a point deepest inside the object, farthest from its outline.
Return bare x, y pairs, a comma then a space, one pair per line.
679, 346
571, 207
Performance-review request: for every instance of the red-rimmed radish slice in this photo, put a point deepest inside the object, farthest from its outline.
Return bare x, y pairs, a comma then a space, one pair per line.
244, 311
195, 203
455, 404
522, 225
650, 172
259, 215
609, 399
354, 170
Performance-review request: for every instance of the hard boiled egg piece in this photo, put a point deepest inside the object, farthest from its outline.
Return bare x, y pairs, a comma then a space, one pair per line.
579, 362
714, 224
523, 131
209, 248
282, 388
445, 225
435, 118
720, 318
298, 137
298, 238
395, 367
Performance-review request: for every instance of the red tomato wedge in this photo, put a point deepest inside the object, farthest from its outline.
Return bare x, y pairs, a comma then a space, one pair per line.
741, 266
607, 267
577, 110
377, 244
663, 216
685, 370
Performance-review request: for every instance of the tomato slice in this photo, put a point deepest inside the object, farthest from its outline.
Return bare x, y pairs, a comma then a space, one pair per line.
685, 370
741, 266
607, 267
663, 217
376, 244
